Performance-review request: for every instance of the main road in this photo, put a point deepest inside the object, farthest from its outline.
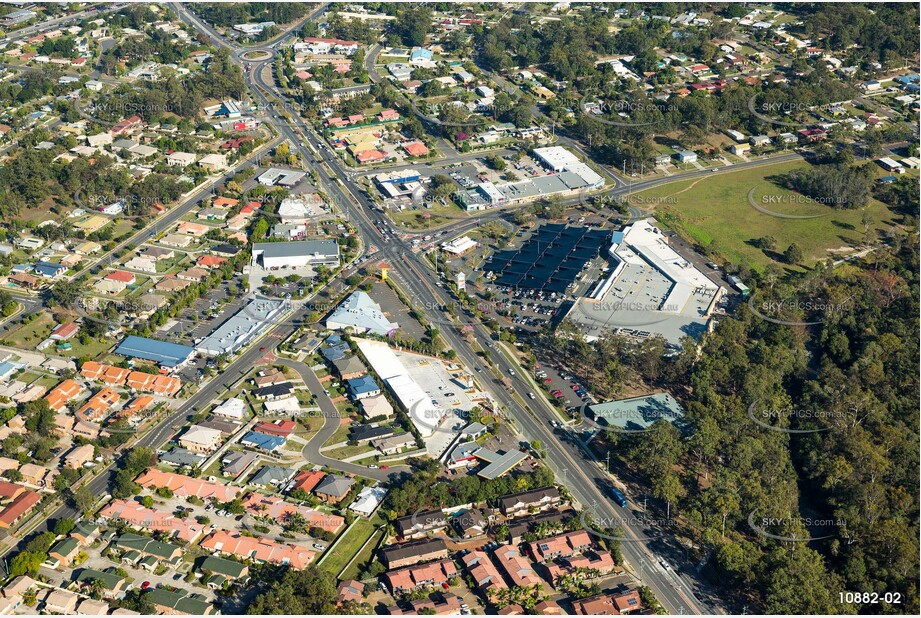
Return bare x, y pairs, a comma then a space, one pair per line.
646, 548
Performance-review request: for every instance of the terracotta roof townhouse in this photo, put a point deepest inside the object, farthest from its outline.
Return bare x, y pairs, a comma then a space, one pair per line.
182, 485
258, 549
98, 405
410, 578
108, 374
61, 394
561, 545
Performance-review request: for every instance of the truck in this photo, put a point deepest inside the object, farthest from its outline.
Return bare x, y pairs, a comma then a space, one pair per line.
619, 498
738, 285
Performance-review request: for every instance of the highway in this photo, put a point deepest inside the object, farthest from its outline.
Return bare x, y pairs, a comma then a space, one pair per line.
645, 549
573, 466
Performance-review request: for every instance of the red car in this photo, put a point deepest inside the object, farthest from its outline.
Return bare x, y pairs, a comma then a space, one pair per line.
548, 380
384, 467
145, 585
557, 393
446, 586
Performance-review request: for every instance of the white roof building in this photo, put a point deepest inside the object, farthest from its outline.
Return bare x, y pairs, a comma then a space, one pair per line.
361, 314
232, 408
425, 415
459, 246
293, 210
556, 158
181, 159
368, 500
288, 405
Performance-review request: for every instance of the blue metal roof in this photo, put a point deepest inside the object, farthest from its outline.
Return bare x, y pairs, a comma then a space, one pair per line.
48, 269
263, 441
162, 352
364, 384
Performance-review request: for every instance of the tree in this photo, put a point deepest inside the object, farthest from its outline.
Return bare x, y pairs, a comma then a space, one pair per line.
310, 591
66, 293
793, 254
82, 499
26, 563
412, 24
63, 526
496, 162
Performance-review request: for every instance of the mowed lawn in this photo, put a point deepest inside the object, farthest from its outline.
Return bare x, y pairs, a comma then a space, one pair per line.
716, 209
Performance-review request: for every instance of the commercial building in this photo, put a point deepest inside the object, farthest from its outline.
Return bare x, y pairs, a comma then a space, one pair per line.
280, 177
555, 158
161, 352
242, 328
651, 289
297, 254
637, 413
498, 464
551, 260
360, 314
423, 413
398, 183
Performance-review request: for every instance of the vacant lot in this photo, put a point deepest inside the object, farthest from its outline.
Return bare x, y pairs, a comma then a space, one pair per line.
716, 209
348, 546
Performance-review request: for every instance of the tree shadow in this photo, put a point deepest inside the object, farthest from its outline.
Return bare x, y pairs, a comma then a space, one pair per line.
843, 225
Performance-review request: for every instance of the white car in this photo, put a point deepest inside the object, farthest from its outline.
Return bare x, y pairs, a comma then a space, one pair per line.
531, 396
318, 546
372, 467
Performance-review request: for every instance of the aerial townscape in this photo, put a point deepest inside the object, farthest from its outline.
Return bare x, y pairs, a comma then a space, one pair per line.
459, 308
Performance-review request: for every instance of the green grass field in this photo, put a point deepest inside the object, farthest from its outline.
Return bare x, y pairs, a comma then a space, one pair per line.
364, 557
346, 548
716, 209
438, 214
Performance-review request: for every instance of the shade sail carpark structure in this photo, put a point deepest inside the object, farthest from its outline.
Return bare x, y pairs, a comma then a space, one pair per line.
550, 261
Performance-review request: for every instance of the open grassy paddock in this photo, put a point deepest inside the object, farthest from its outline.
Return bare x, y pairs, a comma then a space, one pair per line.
716, 209
348, 546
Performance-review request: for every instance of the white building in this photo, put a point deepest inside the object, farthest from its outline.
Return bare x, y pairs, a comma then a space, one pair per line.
556, 158
232, 408
300, 209
296, 254
360, 314
180, 159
